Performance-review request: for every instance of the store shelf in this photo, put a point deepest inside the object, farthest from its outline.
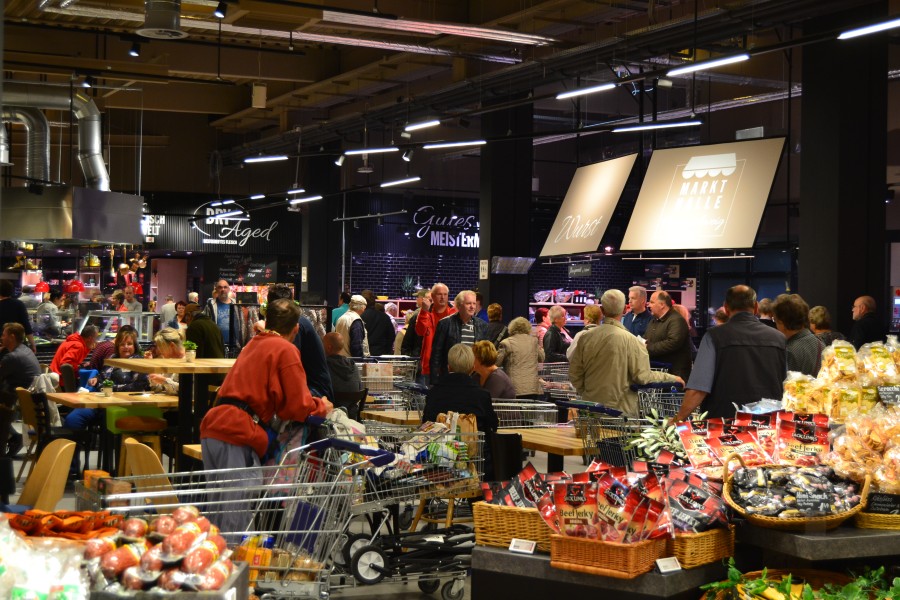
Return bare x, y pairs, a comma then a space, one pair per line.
843, 543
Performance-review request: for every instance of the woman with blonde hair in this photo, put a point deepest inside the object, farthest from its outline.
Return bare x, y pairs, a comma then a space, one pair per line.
169, 344
519, 356
490, 376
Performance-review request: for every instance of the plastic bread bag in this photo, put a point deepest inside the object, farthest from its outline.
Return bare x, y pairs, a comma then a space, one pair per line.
803, 393
839, 363
875, 363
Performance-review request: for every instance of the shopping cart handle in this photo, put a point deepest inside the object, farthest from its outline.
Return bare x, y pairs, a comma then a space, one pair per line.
661, 385
411, 386
591, 407
655, 364
377, 456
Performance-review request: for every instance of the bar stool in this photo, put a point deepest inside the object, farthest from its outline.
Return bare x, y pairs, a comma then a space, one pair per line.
141, 423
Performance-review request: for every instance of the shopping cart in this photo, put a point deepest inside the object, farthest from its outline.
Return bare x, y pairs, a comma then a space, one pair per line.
664, 398
554, 378
381, 374
523, 413
300, 507
660, 367
605, 433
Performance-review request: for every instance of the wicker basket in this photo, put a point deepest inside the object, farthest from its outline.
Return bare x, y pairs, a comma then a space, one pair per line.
497, 525
610, 559
800, 524
816, 579
696, 549
865, 520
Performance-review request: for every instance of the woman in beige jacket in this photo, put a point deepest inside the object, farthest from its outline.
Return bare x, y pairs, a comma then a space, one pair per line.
519, 356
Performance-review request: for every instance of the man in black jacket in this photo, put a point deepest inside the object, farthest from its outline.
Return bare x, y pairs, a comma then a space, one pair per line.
866, 327
460, 328
379, 326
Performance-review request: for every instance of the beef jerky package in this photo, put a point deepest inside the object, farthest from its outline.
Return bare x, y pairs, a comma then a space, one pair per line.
800, 443
611, 508
817, 419
667, 457
514, 495
547, 509
692, 509
695, 445
576, 509
742, 444
492, 491
650, 487
532, 484
635, 510
766, 429
717, 429
657, 523
598, 465
556, 477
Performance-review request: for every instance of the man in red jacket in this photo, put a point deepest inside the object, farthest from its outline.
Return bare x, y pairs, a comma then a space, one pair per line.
267, 380
434, 308
74, 350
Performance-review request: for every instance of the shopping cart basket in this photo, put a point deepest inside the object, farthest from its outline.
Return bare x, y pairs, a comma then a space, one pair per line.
664, 398
554, 378
523, 413
605, 433
380, 374
298, 509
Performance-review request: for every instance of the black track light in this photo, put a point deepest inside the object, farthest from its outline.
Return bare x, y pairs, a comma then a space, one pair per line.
221, 10
88, 82
135, 50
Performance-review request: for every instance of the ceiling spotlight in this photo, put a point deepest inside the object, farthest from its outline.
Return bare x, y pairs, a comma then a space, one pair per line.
221, 9
379, 221
88, 82
405, 135
340, 160
135, 50
407, 156
403, 229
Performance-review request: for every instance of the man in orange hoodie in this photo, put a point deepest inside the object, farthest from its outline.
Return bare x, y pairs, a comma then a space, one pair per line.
74, 350
435, 307
267, 381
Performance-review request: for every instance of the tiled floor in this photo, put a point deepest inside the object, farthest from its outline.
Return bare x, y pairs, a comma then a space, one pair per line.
386, 589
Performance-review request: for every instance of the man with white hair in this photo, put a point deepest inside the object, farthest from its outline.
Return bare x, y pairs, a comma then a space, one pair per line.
608, 360
435, 306
461, 328
639, 318
353, 330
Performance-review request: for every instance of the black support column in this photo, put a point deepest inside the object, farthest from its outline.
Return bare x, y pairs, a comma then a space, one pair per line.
321, 236
843, 161
505, 205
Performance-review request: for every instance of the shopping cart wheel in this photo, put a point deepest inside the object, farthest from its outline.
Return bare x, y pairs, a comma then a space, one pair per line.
453, 590
406, 516
429, 586
368, 565
354, 542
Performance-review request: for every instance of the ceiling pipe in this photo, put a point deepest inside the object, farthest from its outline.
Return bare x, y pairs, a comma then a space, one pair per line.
37, 151
90, 147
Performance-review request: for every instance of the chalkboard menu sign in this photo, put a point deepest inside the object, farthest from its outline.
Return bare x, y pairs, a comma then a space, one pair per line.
884, 504
889, 394
246, 269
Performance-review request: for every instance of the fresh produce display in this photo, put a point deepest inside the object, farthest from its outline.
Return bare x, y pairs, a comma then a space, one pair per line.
871, 585
181, 551
869, 445
793, 492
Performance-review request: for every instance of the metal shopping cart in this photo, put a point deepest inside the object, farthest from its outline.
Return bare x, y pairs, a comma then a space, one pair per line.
391, 384
300, 507
663, 398
523, 413
554, 378
605, 433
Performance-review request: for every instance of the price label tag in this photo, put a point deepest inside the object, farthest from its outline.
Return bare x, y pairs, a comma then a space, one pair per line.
889, 394
668, 565
815, 501
522, 546
883, 504
483, 269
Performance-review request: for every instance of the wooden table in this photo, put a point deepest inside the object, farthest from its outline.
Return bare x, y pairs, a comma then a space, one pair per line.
190, 409
193, 450
394, 417
557, 442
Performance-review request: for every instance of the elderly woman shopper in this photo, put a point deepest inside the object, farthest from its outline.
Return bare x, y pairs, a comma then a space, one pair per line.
488, 374
519, 356
495, 331
592, 318
820, 324
557, 338
353, 329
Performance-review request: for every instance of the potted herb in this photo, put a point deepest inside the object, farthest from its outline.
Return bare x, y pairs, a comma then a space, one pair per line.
107, 387
190, 351
408, 286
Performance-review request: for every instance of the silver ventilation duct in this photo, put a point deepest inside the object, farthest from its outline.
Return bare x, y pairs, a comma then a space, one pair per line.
162, 20
4, 147
37, 156
89, 127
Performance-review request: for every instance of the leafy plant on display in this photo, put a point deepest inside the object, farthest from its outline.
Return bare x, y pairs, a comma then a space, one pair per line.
408, 285
871, 585
190, 346
657, 435
107, 383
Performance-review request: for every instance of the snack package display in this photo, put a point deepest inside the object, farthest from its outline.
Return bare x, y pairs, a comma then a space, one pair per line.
875, 363
765, 424
868, 446
576, 509
793, 492
693, 437
613, 508
846, 400
800, 443
743, 444
803, 393
694, 510
838, 364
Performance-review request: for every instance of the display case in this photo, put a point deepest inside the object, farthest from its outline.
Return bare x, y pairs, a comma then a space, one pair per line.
44, 327
108, 323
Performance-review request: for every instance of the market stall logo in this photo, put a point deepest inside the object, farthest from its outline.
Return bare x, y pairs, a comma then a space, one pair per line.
702, 194
230, 230
446, 230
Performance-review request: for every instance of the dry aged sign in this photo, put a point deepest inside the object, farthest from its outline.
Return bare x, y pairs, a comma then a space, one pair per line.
704, 196
586, 210
230, 230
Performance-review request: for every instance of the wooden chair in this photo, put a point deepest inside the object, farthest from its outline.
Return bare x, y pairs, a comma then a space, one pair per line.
143, 423
37, 405
143, 463
353, 402
68, 379
29, 419
46, 483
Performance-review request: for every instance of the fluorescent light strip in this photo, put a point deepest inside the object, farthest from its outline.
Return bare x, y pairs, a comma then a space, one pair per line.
852, 33
583, 91
230, 215
296, 191
260, 159
371, 151
440, 145
400, 181
301, 200
257, 196
652, 126
423, 125
227, 202
216, 204
708, 64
